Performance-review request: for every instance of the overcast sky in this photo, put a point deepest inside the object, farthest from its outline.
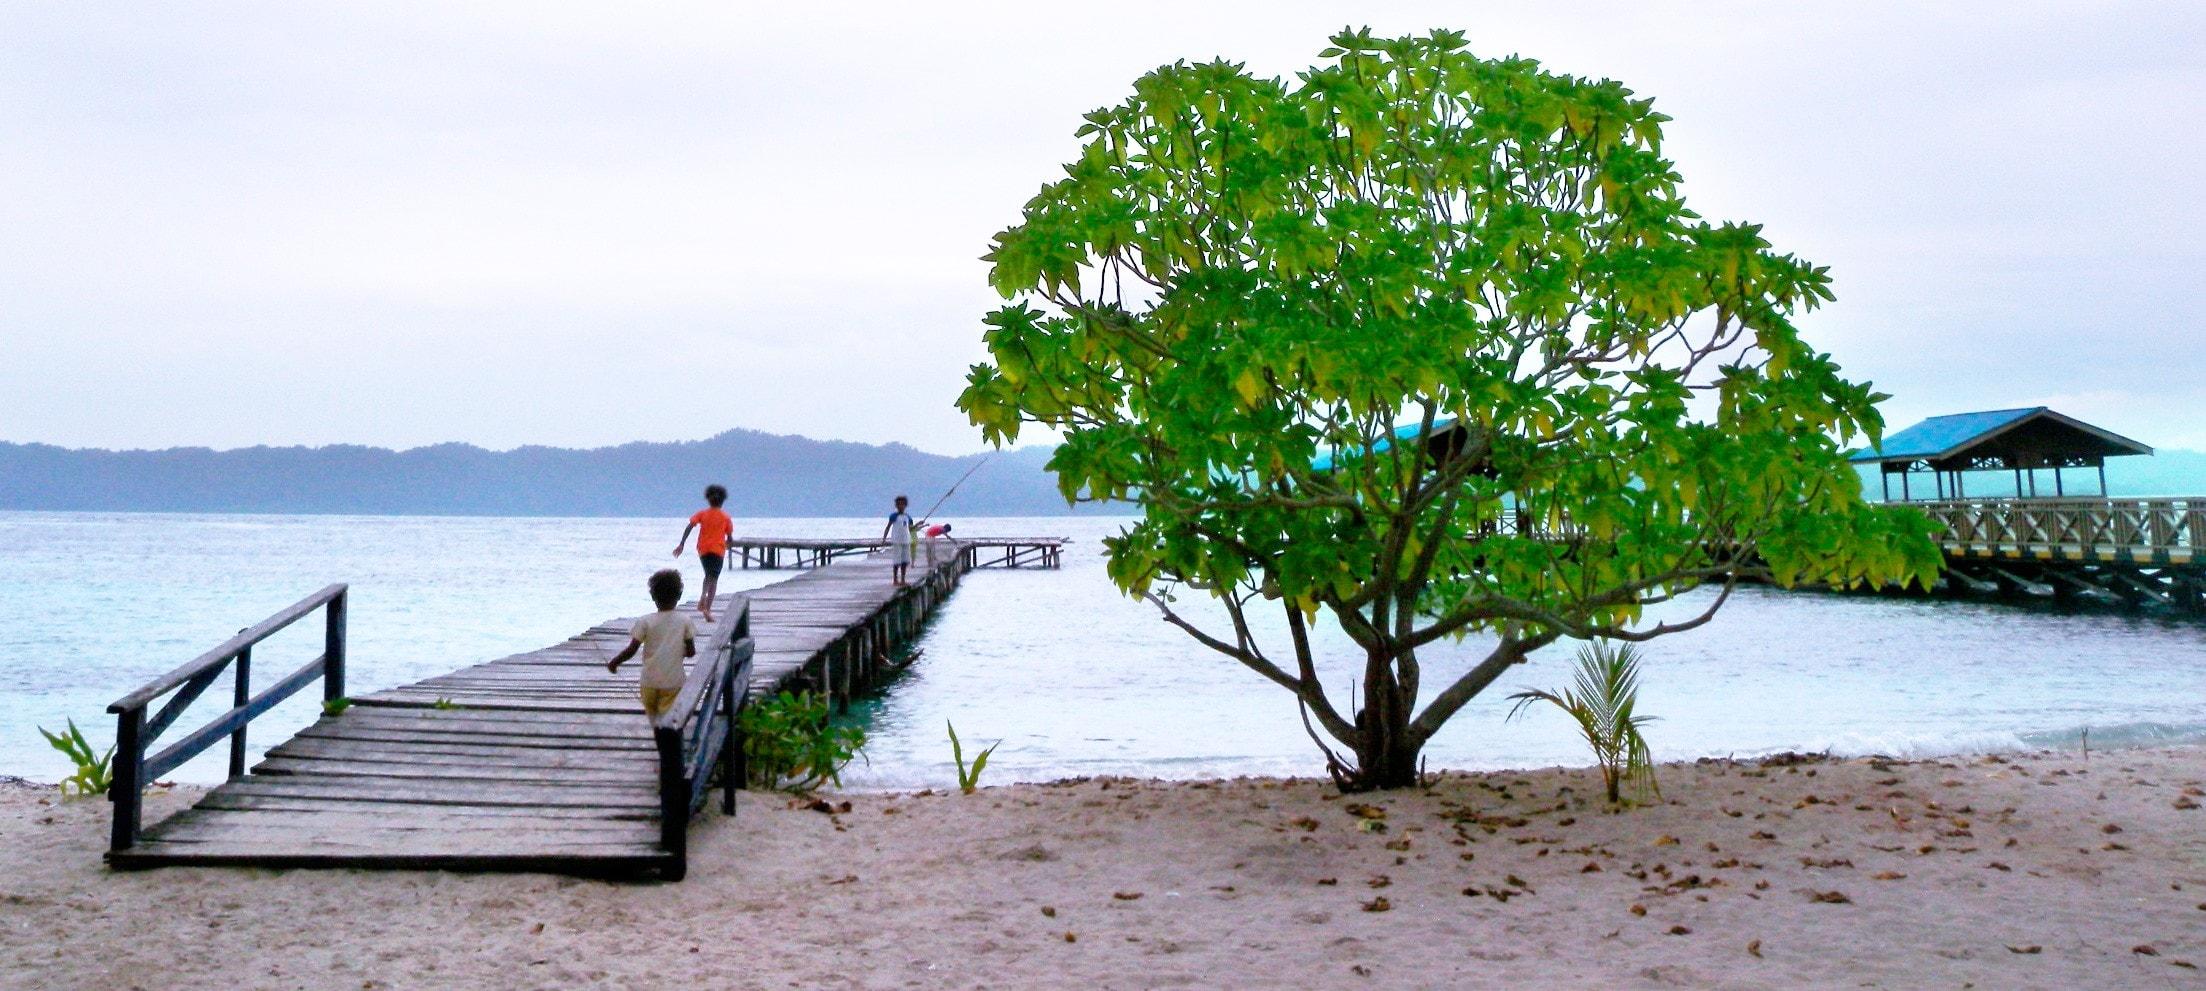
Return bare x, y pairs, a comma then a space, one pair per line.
536, 223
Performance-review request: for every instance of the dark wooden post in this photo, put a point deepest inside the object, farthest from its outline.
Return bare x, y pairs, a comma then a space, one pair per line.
333, 648
673, 801
241, 693
730, 743
125, 788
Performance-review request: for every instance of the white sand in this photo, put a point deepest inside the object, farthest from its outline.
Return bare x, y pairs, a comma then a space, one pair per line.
1945, 868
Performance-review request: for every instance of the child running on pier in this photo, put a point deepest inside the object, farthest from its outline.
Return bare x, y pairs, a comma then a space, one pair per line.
898, 532
713, 529
665, 638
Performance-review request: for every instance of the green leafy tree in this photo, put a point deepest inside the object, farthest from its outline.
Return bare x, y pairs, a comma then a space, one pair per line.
1429, 344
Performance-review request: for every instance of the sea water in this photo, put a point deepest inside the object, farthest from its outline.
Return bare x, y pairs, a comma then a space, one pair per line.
1065, 675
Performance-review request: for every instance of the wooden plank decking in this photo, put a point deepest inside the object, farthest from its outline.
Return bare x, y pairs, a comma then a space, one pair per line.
540, 761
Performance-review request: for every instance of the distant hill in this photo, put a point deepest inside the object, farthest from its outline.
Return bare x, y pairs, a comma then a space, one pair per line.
766, 475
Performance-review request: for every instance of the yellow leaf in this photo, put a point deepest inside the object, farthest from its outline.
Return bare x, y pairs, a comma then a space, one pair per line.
1249, 386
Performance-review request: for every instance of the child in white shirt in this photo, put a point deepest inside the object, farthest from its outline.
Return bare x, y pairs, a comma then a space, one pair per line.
665, 639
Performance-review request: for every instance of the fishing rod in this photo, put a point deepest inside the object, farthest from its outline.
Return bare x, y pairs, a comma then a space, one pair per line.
929, 514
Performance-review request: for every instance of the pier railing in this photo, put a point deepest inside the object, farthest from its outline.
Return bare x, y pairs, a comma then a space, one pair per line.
2150, 527
801, 553
135, 731
699, 730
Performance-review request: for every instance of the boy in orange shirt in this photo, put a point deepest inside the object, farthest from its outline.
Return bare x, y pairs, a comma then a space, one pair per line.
713, 529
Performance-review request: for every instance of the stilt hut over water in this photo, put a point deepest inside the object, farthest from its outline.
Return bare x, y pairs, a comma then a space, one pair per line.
2022, 441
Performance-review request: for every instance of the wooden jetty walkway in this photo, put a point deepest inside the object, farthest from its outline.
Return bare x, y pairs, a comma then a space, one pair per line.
2137, 551
540, 761
979, 552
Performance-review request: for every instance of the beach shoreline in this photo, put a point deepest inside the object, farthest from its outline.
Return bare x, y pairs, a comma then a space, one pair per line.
2008, 870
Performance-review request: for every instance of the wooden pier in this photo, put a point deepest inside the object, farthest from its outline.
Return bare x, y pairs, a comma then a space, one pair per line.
540, 761
771, 553
2136, 551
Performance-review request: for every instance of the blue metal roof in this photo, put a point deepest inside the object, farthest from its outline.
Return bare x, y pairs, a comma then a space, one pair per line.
1324, 462
1940, 434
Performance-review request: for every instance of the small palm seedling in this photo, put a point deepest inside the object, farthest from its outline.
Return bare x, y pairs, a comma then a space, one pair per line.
93, 772
1602, 702
968, 778
790, 743
336, 707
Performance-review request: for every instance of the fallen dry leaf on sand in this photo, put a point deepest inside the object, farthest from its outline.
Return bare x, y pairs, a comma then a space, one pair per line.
1638, 909
2144, 950
1049, 911
1379, 904
1665, 840
1754, 948
1680, 931
1887, 875
2032, 948
1830, 898
1070, 938
1126, 896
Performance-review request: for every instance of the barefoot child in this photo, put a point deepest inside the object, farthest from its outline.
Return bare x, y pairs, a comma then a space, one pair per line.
713, 528
898, 532
665, 638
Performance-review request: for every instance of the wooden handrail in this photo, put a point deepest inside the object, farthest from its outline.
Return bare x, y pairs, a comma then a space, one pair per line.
134, 732
2124, 524
699, 729
230, 648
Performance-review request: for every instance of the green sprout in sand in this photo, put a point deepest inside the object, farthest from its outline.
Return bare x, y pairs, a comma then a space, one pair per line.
93, 770
968, 778
1602, 702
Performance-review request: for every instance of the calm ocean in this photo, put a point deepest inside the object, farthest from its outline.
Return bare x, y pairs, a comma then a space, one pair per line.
1073, 678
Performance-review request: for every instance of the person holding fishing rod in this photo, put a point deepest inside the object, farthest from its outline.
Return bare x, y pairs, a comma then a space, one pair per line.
898, 532
901, 532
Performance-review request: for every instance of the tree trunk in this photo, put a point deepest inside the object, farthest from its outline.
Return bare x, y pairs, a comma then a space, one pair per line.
1386, 753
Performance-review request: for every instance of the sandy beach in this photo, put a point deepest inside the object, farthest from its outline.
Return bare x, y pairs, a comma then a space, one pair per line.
2027, 871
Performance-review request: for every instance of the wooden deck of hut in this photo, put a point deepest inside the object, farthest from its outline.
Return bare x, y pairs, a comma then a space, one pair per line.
540, 761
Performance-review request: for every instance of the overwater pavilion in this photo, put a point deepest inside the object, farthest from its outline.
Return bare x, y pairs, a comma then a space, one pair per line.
2023, 441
